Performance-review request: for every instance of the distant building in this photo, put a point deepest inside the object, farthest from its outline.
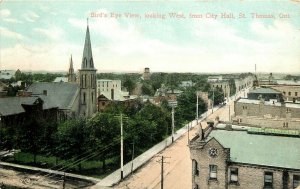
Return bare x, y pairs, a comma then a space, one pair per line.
247, 158
186, 84
7, 74
108, 87
220, 83
146, 74
60, 79
243, 83
290, 89
272, 114
167, 94
265, 93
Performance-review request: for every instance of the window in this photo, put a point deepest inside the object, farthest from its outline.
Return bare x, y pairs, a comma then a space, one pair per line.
296, 93
196, 186
283, 92
195, 167
213, 171
84, 98
268, 180
289, 93
296, 181
92, 97
233, 175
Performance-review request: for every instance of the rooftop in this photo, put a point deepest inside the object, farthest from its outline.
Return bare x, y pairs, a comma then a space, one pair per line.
60, 94
13, 105
270, 103
258, 149
265, 91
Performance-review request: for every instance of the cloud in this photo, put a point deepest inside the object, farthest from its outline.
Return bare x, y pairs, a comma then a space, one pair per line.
10, 34
4, 13
53, 32
30, 16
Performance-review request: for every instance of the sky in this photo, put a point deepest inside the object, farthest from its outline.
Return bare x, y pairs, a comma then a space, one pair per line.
42, 35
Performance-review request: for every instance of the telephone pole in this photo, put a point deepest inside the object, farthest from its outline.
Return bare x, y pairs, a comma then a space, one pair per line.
229, 113
162, 171
197, 104
121, 119
173, 124
212, 109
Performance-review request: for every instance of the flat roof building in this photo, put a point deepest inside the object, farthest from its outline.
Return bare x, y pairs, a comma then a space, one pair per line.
229, 156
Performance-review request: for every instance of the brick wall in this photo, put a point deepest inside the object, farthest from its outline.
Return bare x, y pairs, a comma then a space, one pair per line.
262, 109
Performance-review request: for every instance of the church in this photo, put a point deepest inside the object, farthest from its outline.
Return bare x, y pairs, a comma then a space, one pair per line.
75, 97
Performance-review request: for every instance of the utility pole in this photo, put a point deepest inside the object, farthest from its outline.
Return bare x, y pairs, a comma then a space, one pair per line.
212, 110
188, 126
132, 157
162, 171
229, 113
172, 124
121, 146
64, 181
197, 104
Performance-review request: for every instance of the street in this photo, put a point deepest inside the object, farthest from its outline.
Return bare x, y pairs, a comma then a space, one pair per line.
178, 165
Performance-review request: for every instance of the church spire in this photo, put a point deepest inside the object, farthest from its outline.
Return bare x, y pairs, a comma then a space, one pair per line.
71, 74
71, 64
87, 58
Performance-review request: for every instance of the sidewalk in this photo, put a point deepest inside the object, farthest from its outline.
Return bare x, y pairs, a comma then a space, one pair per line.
48, 171
115, 177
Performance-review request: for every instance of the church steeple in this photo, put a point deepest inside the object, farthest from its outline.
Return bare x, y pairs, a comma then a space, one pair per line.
87, 79
87, 58
71, 74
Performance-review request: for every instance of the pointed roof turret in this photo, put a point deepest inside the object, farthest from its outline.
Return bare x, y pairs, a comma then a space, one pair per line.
87, 58
71, 64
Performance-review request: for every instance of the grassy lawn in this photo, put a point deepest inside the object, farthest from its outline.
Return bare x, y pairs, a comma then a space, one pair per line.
91, 168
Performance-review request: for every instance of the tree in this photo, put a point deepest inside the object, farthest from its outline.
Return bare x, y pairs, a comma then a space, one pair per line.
104, 135
147, 89
232, 87
128, 84
29, 137
73, 138
186, 108
217, 95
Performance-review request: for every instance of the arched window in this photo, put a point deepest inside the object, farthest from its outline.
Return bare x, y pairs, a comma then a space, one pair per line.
84, 96
91, 63
195, 168
92, 97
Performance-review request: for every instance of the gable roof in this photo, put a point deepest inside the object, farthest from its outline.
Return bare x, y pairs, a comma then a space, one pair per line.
275, 151
61, 95
13, 105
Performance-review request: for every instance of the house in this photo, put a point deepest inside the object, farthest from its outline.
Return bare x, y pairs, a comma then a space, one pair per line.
229, 156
